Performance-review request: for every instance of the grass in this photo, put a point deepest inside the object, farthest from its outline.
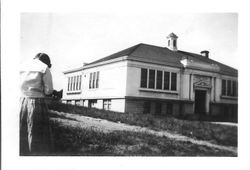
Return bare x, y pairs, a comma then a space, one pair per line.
214, 133
75, 141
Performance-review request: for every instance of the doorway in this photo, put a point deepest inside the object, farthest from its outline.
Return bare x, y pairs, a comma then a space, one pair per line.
200, 101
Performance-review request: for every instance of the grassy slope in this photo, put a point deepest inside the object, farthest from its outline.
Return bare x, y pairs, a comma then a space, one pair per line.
70, 140
218, 134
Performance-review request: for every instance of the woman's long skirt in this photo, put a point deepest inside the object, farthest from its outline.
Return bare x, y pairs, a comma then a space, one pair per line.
35, 132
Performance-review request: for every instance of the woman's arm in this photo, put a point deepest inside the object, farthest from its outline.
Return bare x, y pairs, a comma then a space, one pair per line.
48, 85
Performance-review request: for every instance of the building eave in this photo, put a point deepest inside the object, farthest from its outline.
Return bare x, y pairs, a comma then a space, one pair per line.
97, 64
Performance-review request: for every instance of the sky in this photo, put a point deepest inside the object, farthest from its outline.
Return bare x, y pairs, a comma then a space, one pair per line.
71, 39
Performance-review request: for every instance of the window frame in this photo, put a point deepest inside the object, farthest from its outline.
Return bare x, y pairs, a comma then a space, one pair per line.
229, 88
168, 81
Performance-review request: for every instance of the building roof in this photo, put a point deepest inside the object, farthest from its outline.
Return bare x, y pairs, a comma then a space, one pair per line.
164, 56
172, 35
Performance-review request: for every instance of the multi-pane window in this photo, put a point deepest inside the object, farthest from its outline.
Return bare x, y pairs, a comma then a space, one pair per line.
157, 79
144, 75
74, 83
151, 79
229, 88
94, 80
107, 104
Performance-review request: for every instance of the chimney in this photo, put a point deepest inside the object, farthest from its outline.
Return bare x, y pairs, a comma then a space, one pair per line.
205, 53
172, 42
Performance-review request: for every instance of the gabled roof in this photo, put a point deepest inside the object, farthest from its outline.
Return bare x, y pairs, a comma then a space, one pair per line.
172, 35
164, 56
122, 53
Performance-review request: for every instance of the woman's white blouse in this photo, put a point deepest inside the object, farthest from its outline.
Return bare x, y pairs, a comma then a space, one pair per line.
36, 79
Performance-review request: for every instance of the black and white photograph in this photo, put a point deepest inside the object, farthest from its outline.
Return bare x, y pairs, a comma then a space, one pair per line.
113, 86
110, 98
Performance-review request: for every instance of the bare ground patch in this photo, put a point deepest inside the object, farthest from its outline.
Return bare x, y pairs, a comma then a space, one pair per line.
185, 144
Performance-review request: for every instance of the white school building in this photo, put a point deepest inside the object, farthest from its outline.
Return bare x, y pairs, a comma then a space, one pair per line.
155, 80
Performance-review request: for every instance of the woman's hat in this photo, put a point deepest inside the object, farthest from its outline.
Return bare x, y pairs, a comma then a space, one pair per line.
43, 58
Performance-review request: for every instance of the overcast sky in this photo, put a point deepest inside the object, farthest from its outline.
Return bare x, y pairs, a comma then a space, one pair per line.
71, 39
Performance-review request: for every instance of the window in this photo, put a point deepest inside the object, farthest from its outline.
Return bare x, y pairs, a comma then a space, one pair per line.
94, 80
107, 104
166, 80
76, 88
173, 81
90, 80
74, 83
168, 42
146, 107
92, 103
159, 80
151, 79
77, 102
229, 88
68, 83
97, 79
234, 86
174, 43
224, 87
80, 82
144, 75
71, 84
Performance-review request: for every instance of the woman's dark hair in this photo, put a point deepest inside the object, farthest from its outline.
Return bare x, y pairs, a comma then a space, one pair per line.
43, 58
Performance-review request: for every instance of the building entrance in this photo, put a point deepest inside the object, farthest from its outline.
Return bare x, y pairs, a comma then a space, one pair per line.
200, 101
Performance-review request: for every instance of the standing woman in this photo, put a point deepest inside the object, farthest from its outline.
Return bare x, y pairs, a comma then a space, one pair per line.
36, 84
